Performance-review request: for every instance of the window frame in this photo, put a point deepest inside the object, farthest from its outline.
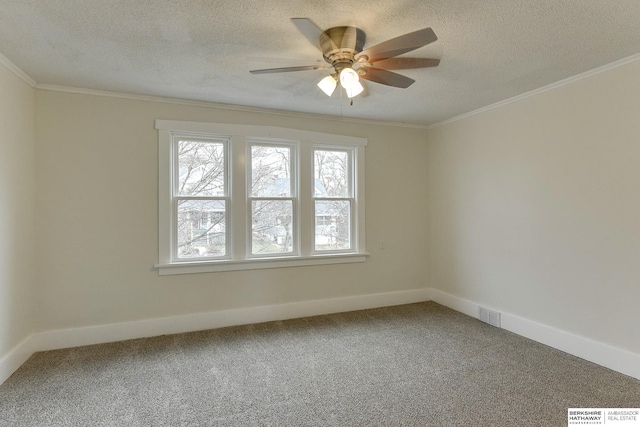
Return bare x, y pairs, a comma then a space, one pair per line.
350, 197
176, 197
293, 196
238, 221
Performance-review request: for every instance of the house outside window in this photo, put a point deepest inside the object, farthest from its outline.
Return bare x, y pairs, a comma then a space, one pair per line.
235, 197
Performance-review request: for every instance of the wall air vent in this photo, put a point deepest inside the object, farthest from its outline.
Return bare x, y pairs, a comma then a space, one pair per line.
491, 317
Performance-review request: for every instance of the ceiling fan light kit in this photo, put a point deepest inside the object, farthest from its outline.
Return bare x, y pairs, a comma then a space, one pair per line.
328, 84
350, 81
354, 89
342, 49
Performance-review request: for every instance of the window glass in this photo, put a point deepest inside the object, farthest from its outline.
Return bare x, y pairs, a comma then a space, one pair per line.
333, 225
331, 172
272, 226
201, 228
270, 171
201, 168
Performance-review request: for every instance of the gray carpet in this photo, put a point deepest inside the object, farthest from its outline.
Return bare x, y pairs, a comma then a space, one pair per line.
411, 365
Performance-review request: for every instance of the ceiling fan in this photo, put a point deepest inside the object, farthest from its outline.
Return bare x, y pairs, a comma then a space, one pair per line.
342, 49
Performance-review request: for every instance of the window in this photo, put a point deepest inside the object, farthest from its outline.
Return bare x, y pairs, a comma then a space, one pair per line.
200, 195
272, 199
333, 199
235, 197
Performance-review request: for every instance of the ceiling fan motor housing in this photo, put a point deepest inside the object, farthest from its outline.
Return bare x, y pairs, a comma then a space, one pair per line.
341, 44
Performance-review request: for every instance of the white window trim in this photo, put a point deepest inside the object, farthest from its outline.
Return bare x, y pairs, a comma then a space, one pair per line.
353, 221
294, 196
226, 141
240, 137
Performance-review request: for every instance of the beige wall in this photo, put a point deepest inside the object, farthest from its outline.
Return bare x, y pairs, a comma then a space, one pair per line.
534, 207
531, 209
97, 207
17, 210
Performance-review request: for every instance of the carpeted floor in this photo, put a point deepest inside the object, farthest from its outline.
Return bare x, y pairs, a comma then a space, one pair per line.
411, 365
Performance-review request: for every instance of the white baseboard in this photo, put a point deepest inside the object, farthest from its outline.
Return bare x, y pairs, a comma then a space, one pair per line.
608, 356
65, 338
605, 355
15, 358
74, 337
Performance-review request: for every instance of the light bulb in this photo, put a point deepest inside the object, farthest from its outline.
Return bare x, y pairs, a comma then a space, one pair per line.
348, 77
328, 85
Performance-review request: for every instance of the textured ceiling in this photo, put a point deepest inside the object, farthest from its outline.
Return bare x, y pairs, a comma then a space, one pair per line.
490, 50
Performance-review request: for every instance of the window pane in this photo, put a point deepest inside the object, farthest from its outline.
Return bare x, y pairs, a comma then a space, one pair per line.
270, 171
272, 226
331, 174
200, 168
201, 228
333, 225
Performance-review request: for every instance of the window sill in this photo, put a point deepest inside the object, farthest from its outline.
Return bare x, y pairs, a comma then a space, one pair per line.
190, 267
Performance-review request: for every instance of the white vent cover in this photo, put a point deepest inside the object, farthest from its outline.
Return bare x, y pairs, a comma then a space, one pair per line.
489, 316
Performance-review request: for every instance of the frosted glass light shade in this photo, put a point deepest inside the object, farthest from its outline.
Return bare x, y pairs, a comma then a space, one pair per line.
328, 85
354, 90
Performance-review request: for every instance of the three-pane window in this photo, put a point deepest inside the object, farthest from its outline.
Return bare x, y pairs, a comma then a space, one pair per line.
257, 197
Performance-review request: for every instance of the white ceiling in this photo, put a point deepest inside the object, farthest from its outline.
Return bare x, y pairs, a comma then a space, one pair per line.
490, 50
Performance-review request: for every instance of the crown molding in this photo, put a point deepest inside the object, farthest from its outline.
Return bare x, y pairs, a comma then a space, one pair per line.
564, 82
230, 107
206, 104
17, 71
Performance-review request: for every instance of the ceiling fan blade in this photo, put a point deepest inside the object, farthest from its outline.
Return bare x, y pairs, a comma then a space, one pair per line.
399, 45
388, 78
406, 63
309, 29
288, 69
